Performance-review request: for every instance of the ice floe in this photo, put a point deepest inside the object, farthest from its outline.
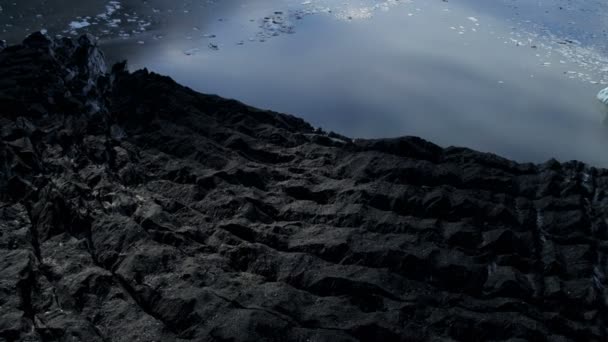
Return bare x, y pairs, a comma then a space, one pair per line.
75, 25
602, 96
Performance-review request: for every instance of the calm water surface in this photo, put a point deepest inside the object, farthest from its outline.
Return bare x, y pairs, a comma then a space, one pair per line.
516, 77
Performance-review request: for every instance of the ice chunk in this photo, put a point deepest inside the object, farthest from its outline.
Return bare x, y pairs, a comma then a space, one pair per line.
75, 25
603, 96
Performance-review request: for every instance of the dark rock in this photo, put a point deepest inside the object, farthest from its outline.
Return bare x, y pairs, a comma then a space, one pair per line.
38, 40
132, 208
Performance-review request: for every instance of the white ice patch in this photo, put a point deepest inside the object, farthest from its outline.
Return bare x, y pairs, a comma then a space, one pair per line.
347, 10
602, 96
106, 17
590, 62
111, 8
75, 25
114, 22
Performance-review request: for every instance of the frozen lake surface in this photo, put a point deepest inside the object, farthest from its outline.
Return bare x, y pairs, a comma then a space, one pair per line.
518, 78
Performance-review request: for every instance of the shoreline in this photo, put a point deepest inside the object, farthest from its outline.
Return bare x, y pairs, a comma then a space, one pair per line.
133, 207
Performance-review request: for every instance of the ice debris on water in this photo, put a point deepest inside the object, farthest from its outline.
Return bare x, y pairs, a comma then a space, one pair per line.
113, 21
111, 7
283, 22
587, 58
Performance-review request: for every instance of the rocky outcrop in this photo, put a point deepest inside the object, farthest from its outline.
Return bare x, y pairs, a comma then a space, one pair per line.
135, 209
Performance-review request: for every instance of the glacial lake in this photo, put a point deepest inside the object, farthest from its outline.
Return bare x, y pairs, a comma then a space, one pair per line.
517, 78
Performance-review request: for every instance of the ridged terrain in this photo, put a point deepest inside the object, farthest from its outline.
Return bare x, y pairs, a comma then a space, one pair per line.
135, 209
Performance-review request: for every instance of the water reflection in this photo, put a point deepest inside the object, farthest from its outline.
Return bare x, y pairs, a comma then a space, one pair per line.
409, 75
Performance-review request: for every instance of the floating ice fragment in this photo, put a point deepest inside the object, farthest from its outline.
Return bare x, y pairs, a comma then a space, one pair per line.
473, 19
602, 96
75, 25
114, 22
